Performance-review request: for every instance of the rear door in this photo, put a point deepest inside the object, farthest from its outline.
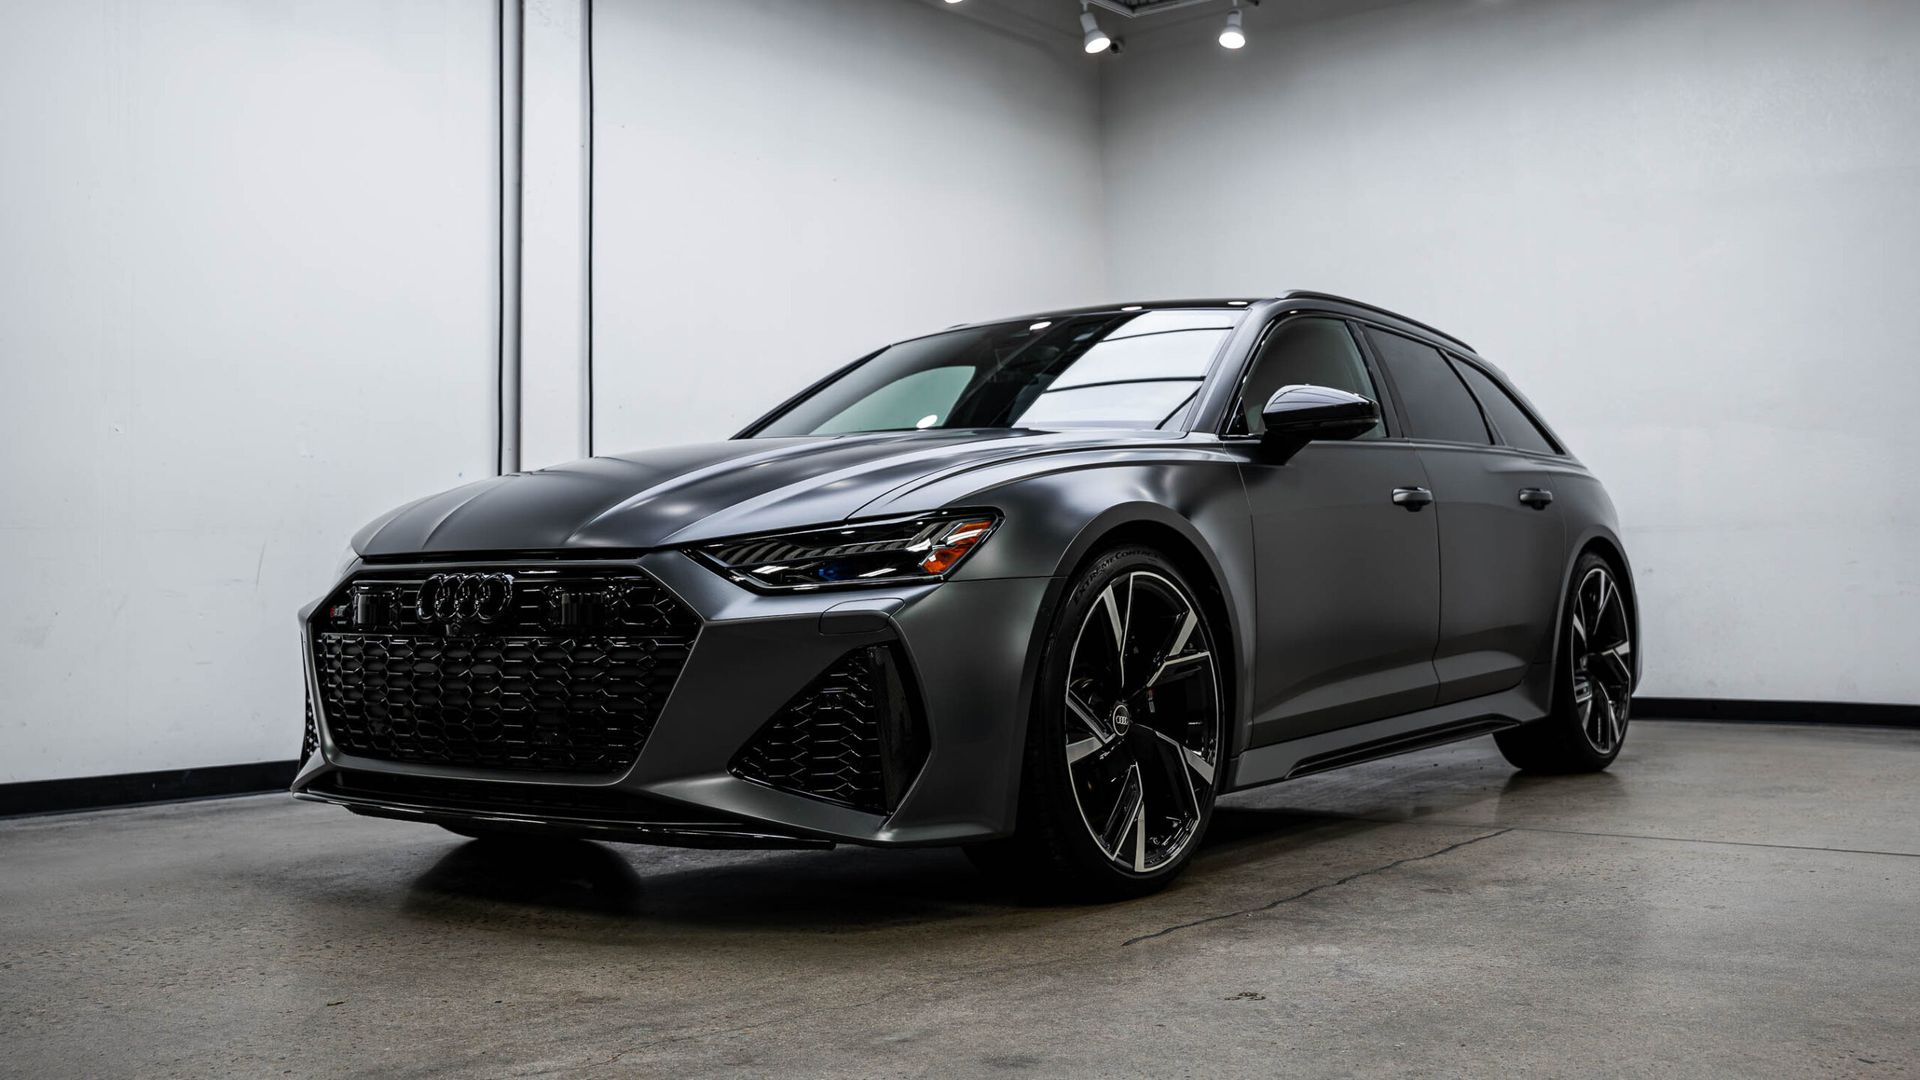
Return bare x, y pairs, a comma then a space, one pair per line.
1499, 537
1347, 587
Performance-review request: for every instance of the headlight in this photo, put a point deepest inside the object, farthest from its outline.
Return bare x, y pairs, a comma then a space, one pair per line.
905, 550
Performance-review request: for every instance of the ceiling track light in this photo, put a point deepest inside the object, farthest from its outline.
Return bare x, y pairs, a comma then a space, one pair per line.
1092, 38
1234, 36
1096, 40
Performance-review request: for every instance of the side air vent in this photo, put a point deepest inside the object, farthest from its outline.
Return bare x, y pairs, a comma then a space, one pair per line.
310, 742
854, 736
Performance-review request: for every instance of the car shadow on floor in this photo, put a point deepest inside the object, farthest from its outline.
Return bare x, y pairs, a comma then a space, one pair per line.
849, 889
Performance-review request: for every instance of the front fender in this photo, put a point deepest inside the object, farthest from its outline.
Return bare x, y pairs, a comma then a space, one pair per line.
1194, 508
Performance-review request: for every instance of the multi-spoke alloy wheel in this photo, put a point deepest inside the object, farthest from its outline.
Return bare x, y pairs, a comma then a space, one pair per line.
1602, 649
1593, 684
1143, 721
1127, 738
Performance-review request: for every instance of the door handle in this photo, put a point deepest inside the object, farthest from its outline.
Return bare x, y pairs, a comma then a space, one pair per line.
1412, 498
1538, 498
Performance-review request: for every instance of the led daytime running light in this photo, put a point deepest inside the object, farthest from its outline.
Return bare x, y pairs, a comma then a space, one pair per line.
902, 551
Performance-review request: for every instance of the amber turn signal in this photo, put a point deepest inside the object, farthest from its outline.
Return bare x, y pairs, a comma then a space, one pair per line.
954, 544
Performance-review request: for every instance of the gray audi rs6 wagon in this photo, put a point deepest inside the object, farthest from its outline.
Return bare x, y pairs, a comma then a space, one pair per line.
1044, 588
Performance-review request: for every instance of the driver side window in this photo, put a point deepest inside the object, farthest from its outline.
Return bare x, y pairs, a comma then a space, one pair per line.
1309, 349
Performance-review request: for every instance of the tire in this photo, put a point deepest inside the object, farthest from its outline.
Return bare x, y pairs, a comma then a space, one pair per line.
1592, 683
1124, 740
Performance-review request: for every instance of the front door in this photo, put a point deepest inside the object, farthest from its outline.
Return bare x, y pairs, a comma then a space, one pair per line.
1347, 588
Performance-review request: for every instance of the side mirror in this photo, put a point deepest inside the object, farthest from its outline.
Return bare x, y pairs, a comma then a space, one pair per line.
1297, 415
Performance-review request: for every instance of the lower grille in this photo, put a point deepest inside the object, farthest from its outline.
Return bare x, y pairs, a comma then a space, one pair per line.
569, 677
576, 706
852, 736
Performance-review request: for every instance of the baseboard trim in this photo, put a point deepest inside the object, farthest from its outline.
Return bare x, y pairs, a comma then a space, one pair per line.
176, 785
132, 789
1858, 714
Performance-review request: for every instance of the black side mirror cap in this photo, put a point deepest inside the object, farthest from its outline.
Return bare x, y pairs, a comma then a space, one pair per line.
1301, 413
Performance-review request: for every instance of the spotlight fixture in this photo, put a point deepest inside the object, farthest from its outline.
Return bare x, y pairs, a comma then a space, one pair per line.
1233, 37
953, 1
1094, 40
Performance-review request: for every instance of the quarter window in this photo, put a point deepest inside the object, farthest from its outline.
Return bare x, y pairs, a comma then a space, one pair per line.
1435, 401
1517, 429
1309, 350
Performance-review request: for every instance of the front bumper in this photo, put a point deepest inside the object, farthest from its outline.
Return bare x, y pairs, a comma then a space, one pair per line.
968, 644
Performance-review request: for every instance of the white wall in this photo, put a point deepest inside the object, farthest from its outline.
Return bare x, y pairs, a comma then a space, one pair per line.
246, 302
247, 280
1687, 228
782, 187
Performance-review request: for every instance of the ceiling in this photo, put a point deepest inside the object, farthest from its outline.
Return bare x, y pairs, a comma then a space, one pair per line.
1131, 19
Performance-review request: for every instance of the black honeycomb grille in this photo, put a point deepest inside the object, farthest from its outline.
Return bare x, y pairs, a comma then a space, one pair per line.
850, 737
577, 698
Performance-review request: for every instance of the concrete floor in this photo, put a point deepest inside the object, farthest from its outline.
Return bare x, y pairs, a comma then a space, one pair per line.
1730, 901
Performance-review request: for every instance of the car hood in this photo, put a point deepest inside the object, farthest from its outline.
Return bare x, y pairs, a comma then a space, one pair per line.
684, 494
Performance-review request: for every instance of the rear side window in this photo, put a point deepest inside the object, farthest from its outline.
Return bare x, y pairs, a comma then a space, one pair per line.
1433, 397
1517, 429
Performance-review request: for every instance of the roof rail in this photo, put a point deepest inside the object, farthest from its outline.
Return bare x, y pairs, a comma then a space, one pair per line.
1308, 294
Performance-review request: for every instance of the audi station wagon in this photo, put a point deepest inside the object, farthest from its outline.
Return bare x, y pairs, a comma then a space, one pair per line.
1044, 588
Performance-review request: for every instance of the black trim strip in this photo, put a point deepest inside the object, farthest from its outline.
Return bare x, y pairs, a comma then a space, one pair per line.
1777, 712
131, 789
1395, 745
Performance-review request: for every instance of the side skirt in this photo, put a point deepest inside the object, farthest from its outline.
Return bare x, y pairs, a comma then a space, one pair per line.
1383, 738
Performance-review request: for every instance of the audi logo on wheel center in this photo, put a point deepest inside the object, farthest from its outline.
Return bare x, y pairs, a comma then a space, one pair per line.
458, 598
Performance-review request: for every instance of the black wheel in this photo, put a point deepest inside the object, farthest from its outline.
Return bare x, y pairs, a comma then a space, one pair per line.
1593, 684
1125, 740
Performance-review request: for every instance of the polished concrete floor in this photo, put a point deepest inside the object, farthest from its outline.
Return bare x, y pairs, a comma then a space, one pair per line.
1728, 901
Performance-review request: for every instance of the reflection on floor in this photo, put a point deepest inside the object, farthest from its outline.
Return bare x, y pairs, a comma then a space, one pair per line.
1730, 900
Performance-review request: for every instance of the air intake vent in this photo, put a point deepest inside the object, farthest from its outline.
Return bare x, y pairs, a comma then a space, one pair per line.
309, 742
853, 736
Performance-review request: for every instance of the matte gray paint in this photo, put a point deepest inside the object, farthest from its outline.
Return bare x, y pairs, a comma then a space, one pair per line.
1351, 620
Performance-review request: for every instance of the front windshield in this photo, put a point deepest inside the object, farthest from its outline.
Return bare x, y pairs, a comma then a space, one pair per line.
1131, 369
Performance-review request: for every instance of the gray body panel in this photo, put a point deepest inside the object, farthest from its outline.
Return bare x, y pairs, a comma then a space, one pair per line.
1348, 587
1355, 626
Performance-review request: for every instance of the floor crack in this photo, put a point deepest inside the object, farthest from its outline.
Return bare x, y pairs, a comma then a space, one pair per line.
1304, 893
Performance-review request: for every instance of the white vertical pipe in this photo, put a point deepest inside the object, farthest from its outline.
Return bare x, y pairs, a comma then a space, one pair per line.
512, 56
586, 228
554, 241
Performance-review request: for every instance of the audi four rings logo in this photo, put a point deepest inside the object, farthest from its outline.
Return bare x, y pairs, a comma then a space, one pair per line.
459, 598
